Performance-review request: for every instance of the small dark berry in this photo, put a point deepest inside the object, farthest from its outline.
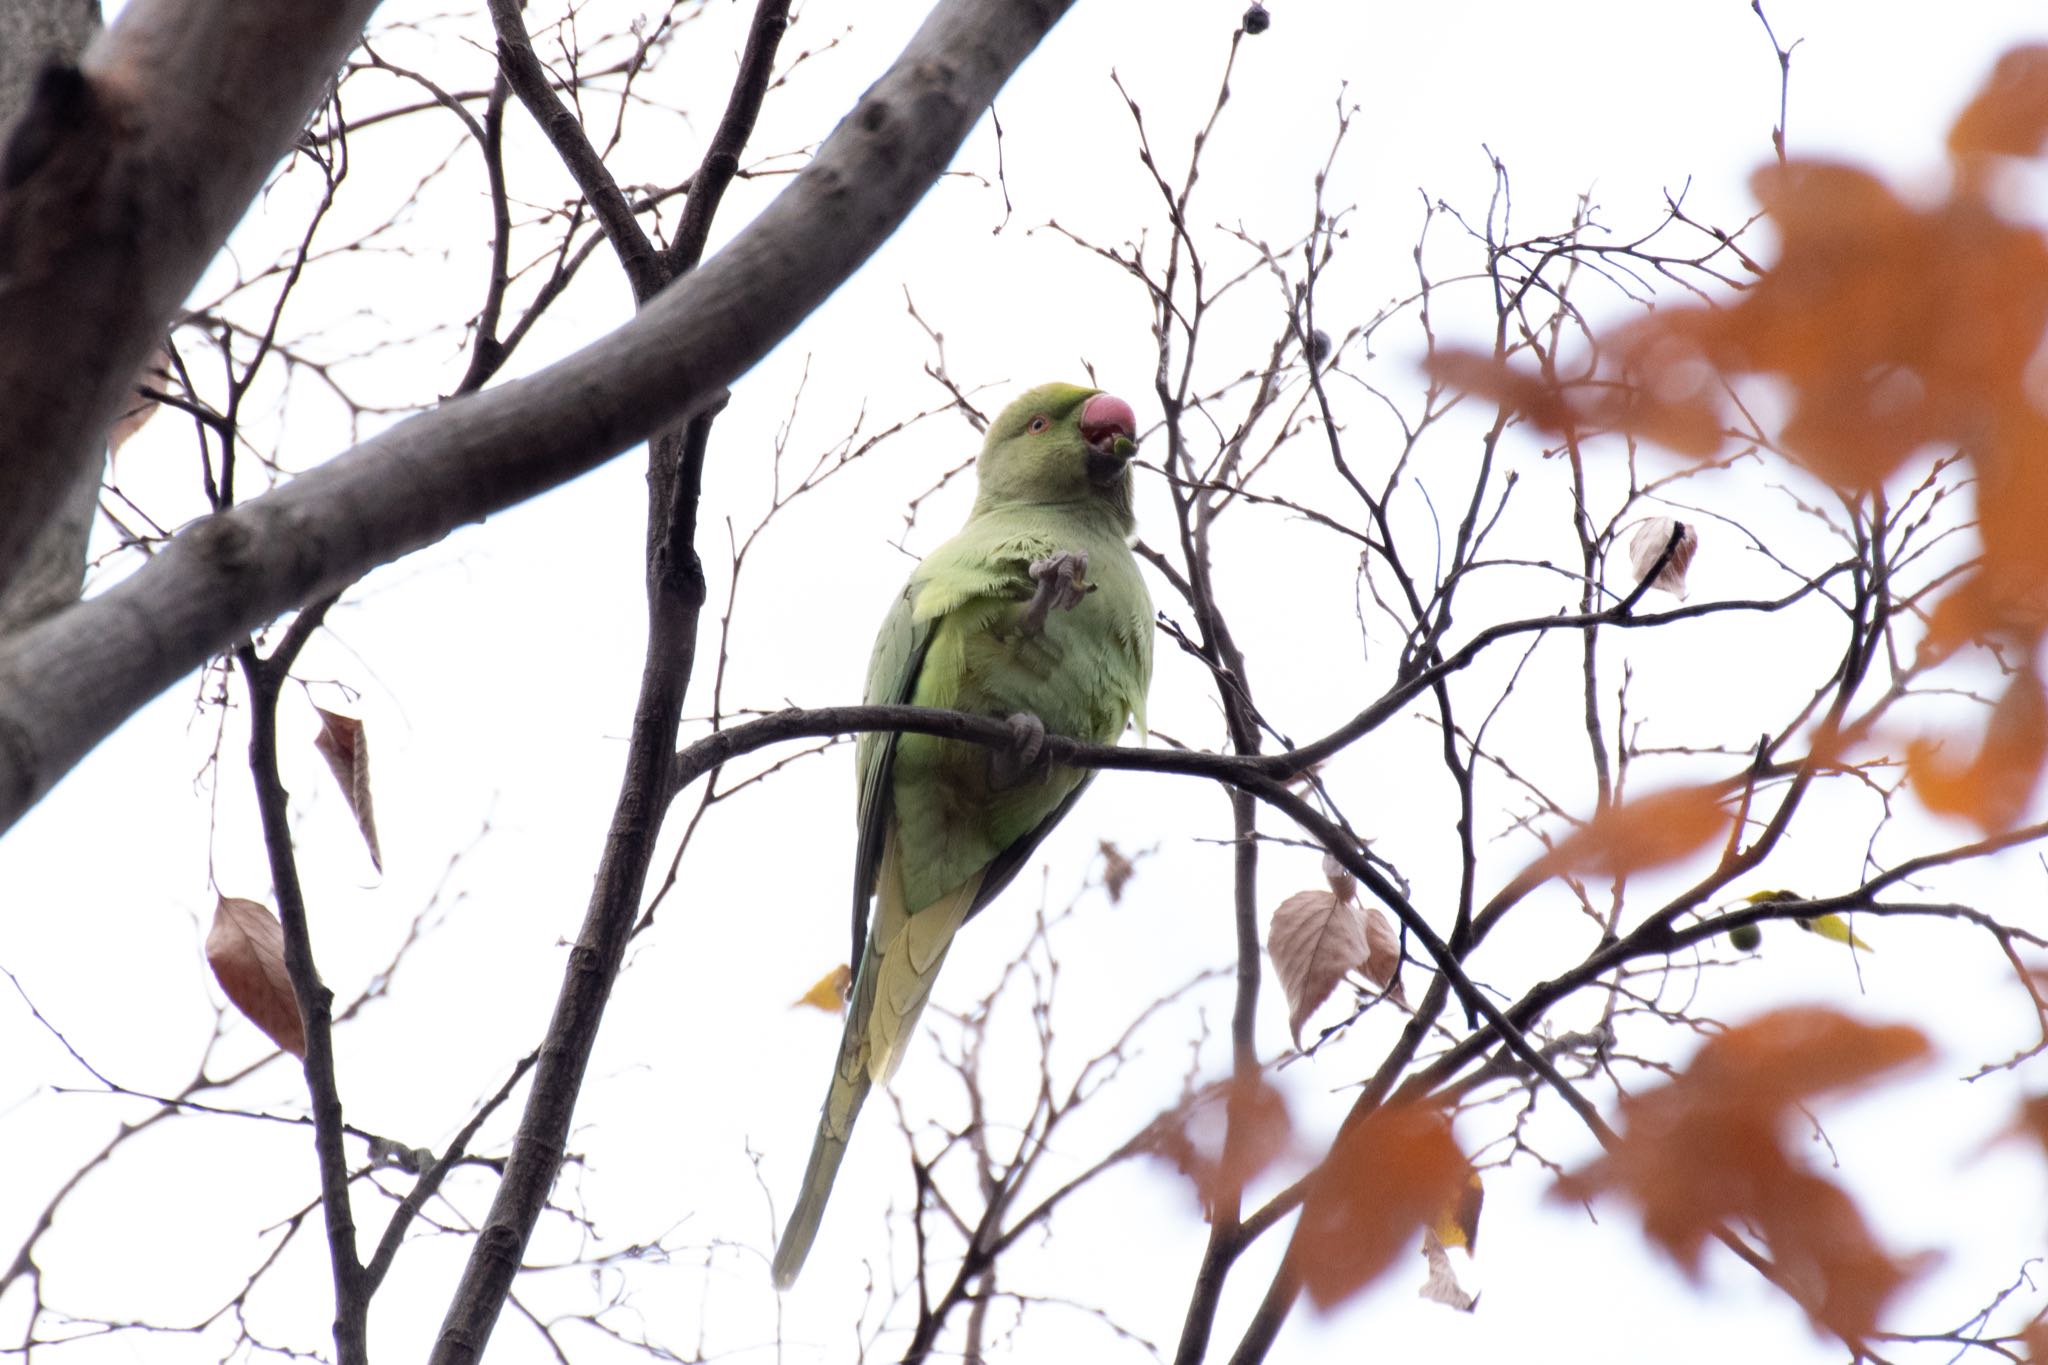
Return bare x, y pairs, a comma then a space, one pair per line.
1318, 346
1746, 937
1256, 20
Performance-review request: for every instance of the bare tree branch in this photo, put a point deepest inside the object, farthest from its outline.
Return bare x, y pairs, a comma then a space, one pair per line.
66, 683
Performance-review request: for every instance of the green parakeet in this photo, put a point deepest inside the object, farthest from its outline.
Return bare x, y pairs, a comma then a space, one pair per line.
1035, 613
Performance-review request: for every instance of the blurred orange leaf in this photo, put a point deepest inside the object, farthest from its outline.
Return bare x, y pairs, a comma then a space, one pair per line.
2010, 114
1387, 1177
2033, 1120
1222, 1137
1994, 788
1714, 1147
1896, 329
1646, 832
345, 745
245, 948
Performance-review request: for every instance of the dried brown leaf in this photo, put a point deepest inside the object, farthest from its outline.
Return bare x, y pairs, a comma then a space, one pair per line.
1116, 870
1384, 1180
245, 948
1442, 1285
345, 745
1342, 884
1315, 938
1383, 953
1646, 548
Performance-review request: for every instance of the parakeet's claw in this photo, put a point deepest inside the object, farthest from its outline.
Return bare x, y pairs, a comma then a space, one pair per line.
1025, 758
1062, 580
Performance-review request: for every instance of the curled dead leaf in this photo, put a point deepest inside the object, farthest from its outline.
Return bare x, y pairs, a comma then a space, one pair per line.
345, 745
245, 948
1647, 552
1343, 885
1383, 954
1442, 1285
1116, 870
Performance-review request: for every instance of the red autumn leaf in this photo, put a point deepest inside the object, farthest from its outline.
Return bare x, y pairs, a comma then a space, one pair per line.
245, 948
1646, 832
346, 747
1716, 1146
1222, 1137
1995, 787
2010, 114
1386, 1178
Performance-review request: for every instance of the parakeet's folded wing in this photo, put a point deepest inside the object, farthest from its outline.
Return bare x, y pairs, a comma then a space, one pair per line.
900, 647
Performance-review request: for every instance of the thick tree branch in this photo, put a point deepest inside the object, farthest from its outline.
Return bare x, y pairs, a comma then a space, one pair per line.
34, 34
67, 682
117, 185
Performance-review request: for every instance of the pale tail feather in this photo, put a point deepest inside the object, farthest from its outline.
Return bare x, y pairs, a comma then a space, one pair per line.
901, 960
842, 1103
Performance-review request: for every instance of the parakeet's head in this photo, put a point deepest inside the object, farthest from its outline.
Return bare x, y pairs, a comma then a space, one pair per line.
1060, 443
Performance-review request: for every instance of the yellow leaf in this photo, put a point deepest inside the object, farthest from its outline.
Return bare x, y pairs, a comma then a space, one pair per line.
1457, 1223
1836, 928
828, 993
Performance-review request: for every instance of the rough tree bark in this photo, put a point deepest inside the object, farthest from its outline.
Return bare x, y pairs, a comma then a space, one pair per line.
35, 34
68, 681
118, 183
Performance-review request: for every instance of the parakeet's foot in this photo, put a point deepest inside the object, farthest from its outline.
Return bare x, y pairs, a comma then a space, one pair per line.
1025, 758
1062, 580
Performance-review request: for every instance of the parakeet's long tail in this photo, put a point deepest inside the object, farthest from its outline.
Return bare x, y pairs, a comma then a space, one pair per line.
897, 968
841, 1103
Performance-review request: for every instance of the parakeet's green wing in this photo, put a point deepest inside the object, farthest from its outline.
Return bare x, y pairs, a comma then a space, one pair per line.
900, 647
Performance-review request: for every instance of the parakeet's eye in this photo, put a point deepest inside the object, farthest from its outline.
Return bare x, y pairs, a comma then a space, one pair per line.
1040, 423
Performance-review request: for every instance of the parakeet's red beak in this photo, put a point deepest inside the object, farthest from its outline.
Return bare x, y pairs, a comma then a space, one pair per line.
1111, 430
